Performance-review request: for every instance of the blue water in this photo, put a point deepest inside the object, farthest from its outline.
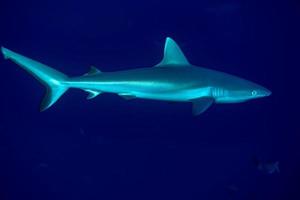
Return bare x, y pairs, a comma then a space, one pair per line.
110, 148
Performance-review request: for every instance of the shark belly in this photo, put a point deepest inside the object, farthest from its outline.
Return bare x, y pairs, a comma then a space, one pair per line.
178, 95
146, 90
139, 84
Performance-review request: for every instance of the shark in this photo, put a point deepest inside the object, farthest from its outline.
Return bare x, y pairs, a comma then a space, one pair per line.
174, 78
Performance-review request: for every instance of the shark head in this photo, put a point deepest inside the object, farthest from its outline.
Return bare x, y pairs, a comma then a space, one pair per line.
240, 90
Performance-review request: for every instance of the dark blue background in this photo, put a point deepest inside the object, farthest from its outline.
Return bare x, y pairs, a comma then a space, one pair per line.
109, 148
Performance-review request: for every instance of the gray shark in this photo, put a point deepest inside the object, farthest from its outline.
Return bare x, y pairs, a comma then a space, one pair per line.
173, 79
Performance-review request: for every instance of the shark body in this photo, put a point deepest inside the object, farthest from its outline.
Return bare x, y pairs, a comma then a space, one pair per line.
173, 79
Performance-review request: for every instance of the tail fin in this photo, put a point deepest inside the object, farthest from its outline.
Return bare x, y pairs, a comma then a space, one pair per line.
52, 79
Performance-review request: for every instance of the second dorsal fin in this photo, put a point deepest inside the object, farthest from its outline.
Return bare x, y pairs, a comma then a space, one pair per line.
173, 55
93, 71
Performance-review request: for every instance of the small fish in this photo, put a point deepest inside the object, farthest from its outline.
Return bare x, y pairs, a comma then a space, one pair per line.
232, 190
269, 167
82, 132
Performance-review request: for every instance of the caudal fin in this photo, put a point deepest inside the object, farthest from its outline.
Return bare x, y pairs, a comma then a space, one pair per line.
52, 79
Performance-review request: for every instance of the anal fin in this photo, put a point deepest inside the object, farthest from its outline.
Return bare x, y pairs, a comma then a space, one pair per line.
127, 96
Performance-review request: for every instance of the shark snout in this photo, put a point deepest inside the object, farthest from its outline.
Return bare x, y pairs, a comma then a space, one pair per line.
261, 92
267, 92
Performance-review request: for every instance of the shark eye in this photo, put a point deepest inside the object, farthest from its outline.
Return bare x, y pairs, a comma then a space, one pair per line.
254, 92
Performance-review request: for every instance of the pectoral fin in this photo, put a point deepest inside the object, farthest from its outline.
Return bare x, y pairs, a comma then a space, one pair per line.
202, 104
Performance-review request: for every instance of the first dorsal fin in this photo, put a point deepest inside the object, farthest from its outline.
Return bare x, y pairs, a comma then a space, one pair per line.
173, 55
93, 71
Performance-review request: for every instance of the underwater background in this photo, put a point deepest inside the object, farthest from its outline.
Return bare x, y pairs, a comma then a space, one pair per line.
110, 148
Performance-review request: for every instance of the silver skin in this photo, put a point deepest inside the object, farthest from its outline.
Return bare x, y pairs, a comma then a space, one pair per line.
173, 79
184, 83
